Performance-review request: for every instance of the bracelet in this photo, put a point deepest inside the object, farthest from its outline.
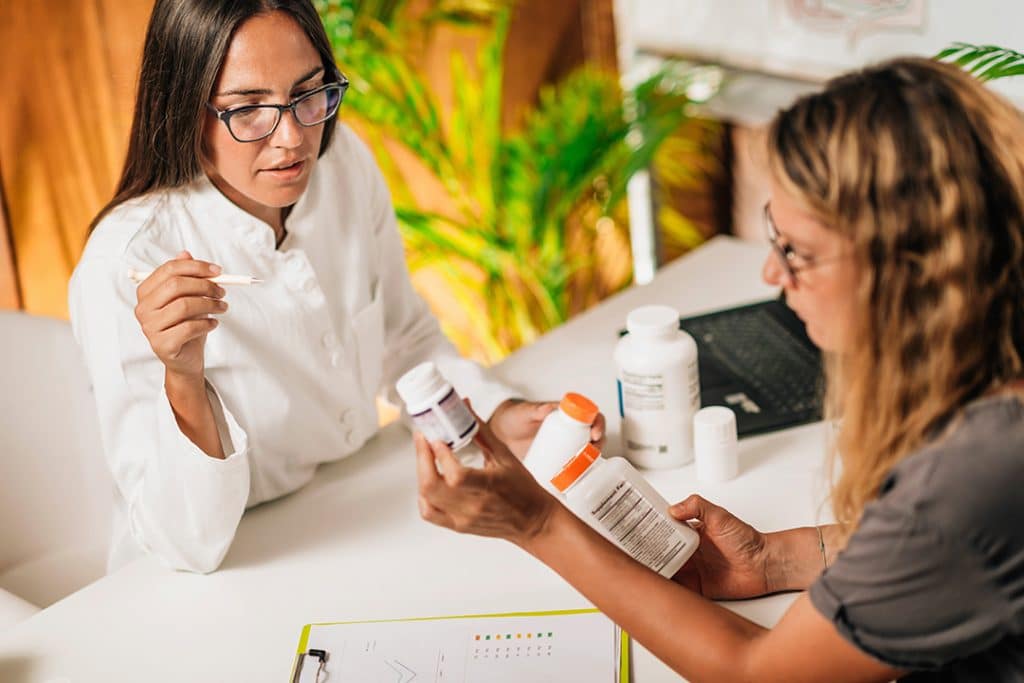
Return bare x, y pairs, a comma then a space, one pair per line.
821, 546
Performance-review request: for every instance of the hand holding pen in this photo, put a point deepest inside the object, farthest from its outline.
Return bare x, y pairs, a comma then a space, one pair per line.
176, 306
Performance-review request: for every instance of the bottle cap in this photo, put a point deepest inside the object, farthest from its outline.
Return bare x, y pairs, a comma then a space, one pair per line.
579, 408
714, 444
653, 321
576, 467
420, 383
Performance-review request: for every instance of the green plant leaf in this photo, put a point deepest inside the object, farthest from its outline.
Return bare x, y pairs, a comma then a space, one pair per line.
986, 62
514, 199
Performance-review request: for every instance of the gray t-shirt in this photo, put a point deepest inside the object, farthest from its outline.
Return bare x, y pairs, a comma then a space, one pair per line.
932, 580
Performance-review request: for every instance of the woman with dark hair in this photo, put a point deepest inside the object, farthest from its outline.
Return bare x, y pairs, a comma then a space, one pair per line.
897, 225
236, 165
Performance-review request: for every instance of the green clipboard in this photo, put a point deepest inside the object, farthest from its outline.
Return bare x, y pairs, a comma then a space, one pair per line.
304, 653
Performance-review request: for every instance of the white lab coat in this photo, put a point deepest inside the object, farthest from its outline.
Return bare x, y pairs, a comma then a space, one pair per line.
293, 369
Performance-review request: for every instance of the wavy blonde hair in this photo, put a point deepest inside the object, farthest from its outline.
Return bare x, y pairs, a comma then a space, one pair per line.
921, 169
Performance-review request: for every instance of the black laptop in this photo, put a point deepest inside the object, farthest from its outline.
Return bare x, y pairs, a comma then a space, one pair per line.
758, 360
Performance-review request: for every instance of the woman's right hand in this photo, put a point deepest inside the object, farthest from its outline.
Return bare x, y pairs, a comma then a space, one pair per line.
174, 308
732, 559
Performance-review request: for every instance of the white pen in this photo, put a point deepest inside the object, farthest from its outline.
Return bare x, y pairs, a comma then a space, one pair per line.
140, 275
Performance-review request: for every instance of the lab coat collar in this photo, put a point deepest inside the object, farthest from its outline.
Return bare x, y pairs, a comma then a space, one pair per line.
206, 201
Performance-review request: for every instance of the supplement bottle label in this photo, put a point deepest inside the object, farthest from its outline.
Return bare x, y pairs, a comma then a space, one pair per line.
656, 410
638, 528
648, 392
642, 392
447, 421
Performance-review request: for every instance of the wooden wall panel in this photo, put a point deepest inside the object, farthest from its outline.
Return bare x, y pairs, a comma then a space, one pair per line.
10, 298
68, 82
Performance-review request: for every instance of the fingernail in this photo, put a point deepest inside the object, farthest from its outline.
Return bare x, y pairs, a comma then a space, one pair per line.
215, 269
221, 291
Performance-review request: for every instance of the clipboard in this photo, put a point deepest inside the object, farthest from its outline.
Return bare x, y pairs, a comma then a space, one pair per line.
580, 644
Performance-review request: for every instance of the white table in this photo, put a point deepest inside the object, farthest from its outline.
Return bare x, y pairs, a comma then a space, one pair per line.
351, 544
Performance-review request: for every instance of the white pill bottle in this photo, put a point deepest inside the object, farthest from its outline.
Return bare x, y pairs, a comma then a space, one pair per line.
437, 411
561, 436
659, 388
613, 498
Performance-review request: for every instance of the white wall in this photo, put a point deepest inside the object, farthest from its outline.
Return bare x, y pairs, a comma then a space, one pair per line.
815, 39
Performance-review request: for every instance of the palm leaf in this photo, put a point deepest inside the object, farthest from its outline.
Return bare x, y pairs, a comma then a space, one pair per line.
986, 62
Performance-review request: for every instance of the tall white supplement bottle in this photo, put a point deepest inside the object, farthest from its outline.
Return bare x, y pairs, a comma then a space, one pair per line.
560, 438
659, 388
438, 412
616, 500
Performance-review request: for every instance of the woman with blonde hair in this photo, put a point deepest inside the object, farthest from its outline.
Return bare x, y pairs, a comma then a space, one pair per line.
897, 225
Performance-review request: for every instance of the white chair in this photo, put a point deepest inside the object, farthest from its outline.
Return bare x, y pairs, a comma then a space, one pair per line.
56, 494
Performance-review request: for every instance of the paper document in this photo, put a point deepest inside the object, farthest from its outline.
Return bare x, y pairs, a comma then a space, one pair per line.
576, 645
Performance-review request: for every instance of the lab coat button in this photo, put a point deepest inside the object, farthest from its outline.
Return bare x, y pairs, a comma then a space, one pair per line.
336, 358
350, 439
346, 417
330, 340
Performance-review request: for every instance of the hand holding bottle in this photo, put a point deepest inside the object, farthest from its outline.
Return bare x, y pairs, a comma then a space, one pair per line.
731, 561
501, 499
516, 422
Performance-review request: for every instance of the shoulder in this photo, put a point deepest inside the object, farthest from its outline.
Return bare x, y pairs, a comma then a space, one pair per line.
967, 482
135, 234
347, 174
931, 573
125, 221
138, 227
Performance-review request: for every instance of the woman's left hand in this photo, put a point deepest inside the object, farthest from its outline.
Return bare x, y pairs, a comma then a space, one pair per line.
515, 422
501, 499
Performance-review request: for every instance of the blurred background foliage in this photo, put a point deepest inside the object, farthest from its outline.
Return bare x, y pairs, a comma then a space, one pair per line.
510, 230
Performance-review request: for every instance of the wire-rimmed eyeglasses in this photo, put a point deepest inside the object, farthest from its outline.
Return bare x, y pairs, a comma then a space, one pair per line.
791, 262
254, 122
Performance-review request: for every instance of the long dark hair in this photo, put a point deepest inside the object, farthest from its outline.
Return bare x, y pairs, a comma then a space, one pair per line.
185, 45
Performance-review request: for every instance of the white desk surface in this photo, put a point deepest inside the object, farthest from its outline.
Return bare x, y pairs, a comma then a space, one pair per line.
352, 546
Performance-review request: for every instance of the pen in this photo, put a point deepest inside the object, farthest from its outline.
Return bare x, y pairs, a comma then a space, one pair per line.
140, 275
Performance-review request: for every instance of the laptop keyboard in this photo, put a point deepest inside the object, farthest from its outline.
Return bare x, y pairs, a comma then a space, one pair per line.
770, 359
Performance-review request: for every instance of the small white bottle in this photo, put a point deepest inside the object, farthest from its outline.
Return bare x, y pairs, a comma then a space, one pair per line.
561, 436
438, 412
659, 388
612, 497
714, 444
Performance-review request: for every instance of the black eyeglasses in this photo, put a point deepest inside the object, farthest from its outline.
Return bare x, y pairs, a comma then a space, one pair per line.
256, 121
791, 262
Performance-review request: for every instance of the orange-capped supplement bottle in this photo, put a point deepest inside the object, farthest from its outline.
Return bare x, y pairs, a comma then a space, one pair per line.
562, 435
611, 496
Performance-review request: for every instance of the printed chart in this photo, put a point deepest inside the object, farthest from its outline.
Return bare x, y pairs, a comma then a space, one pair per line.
553, 646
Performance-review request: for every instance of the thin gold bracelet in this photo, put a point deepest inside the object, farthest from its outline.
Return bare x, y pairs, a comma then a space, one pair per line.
821, 545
